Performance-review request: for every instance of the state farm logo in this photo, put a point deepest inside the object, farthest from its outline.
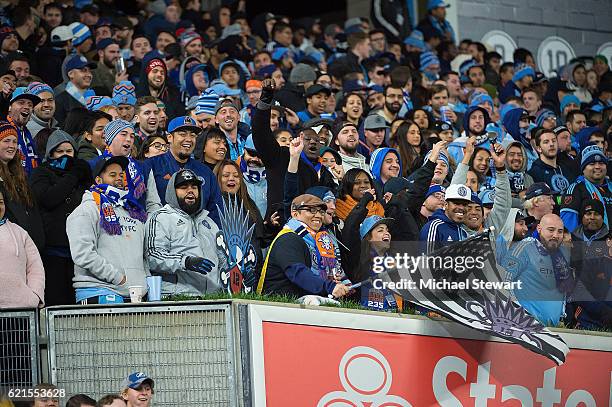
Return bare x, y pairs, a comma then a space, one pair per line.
365, 375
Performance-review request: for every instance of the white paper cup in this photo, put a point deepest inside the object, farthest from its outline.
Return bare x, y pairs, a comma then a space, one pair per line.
136, 293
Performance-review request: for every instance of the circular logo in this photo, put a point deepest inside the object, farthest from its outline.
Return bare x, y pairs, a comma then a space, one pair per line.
462, 191
559, 183
501, 42
553, 53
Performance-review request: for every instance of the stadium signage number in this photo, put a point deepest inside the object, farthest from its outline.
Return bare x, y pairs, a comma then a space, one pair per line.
553, 53
501, 42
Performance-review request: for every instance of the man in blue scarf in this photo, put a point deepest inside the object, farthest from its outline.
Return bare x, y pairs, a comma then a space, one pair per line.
436, 19
19, 112
593, 183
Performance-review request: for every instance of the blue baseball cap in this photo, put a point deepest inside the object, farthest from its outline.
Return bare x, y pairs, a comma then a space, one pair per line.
370, 223
23, 93
135, 380
435, 188
79, 62
431, 4
183, 123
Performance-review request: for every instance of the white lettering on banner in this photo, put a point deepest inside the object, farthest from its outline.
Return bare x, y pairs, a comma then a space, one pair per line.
501, 42
553, 53
547, 395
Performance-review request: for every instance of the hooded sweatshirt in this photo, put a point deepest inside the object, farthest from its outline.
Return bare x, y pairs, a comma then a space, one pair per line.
511, 123
456, 148
376, 161
22, 273
172, 235
519, 180
189, 85
581, 139
102, 260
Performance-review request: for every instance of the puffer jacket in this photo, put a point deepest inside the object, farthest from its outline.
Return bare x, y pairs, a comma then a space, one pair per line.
172, 235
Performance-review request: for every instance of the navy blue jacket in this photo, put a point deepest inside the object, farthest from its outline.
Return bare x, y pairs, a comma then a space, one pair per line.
440, 231
554, 177
163, 166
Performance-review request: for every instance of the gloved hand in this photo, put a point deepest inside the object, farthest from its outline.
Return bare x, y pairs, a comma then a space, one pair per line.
267, 91
199, 265
81, 169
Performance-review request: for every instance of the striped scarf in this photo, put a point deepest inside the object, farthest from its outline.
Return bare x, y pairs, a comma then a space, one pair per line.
135, 180
595, 193
106, 198
27, 148
322, 249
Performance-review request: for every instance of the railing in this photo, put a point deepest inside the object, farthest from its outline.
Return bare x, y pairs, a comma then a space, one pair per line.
19, 356
212, 353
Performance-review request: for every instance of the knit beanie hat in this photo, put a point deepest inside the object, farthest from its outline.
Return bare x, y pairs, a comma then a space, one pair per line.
567, 99
188, 36
115, 127
155, 63
302, 73
6, 130
592, 154
81, 32
207, 102
592, 205
95, 103
521, 71
124, 94
428, 59
36, 88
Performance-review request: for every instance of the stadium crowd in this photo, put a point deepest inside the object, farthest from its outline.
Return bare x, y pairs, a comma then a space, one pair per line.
125, 137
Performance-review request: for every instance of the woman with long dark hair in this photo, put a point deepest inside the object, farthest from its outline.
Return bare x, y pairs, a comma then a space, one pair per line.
18, 197
408, 141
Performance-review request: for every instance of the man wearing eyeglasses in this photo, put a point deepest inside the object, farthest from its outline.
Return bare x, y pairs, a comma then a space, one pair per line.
301, 260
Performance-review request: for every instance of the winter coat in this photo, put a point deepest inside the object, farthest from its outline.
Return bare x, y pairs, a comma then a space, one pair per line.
440, 231
276, 159
102, 260
22, 273
58, 193
27, 217
171, 236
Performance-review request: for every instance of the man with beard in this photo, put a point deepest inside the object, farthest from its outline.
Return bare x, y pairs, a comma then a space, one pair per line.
106, 236
545, 169
566, 158
393, 103
346, 142
104, 76
445, 225
592, 298
158, 85
180, 239
44, 110
316, 101
276, 158
541, 266
254, 174
79, 72
516, 166
592, 184
475, 121
182, 139
19, 113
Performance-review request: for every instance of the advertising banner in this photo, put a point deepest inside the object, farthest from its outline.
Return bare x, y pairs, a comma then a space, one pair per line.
327, 366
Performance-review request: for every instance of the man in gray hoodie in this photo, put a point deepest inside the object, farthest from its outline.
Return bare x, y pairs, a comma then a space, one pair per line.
106, 236
181, 240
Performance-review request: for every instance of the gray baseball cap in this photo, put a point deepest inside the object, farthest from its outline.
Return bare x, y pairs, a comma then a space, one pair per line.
375, 121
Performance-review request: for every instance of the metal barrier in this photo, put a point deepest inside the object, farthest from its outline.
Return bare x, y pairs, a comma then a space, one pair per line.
187, 349
19, 356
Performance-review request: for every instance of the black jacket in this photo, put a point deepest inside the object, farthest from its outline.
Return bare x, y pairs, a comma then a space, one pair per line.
58, 193
291, 96
276, 159
49, 66
28, 218
64, 103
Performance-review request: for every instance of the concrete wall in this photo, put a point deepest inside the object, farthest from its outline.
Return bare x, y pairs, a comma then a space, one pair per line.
585, 24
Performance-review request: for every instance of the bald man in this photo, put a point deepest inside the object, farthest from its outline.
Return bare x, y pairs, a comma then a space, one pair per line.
542, 267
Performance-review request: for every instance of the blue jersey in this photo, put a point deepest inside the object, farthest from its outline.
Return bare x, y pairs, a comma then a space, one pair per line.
539, 294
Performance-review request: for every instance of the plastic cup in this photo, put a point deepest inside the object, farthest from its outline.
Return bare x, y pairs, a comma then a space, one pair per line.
154, 283
136, 293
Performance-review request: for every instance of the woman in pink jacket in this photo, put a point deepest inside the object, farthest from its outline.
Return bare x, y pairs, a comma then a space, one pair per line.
22, 273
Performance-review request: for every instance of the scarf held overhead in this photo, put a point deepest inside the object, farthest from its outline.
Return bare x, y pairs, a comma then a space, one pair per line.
135, 180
